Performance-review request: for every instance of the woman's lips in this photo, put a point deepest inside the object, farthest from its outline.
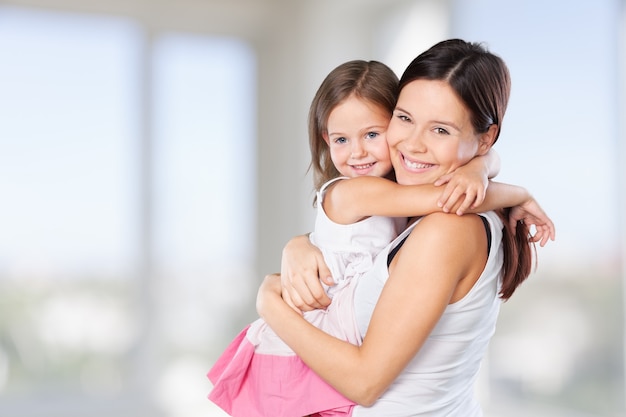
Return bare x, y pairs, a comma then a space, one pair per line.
415, 165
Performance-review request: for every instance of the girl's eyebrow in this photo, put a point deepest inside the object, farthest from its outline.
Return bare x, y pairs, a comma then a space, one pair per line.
368, 127
374, 127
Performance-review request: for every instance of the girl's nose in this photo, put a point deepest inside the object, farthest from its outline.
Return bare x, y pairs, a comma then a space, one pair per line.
357, 150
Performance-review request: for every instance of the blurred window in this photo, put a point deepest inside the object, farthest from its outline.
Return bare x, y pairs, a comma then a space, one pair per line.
127, 179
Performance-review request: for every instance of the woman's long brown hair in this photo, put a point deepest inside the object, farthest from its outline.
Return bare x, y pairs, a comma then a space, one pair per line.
482, 81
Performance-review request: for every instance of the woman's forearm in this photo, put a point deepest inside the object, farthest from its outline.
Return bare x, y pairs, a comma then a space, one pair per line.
419, 285
336, 361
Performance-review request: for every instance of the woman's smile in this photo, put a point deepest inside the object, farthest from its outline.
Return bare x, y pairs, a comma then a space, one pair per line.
415, 165
430, 133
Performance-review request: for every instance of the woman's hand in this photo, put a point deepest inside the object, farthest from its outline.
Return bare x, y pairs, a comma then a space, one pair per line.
531, 213
269, 292
302, 267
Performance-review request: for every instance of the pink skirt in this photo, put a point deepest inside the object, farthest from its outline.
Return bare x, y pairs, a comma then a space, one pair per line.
259, 376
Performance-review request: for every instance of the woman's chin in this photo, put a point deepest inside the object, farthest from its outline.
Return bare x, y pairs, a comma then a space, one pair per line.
411, 178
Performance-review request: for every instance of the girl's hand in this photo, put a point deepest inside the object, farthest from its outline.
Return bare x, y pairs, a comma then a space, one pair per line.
465, 188
302, 267
531, 213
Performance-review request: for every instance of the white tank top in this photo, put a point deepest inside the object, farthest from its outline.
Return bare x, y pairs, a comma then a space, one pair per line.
349, 249
439, 380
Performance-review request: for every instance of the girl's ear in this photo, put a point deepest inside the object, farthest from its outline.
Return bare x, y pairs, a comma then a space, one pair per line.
487, 139
325, 136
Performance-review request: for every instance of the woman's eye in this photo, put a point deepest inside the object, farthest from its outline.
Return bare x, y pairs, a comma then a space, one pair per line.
372, 135
441, 131
403, 118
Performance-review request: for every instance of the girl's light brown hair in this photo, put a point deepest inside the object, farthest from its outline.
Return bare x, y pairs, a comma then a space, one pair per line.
372, 81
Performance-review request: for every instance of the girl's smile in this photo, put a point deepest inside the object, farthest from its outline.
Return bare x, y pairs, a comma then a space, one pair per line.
356, 137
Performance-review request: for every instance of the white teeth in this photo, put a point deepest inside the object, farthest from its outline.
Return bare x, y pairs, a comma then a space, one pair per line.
416, 165
362, 166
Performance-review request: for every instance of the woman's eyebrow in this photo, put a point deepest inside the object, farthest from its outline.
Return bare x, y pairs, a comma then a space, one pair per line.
442, 122
447, 123
402, 110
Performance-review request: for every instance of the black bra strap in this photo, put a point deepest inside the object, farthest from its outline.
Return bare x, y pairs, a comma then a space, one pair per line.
395, 250
488, 230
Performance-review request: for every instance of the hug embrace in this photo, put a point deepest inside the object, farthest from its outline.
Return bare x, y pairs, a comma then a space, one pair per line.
387, 308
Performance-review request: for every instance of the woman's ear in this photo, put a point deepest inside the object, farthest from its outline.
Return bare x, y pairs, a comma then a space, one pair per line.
487, 139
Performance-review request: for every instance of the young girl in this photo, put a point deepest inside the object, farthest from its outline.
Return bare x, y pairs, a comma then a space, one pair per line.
259, 375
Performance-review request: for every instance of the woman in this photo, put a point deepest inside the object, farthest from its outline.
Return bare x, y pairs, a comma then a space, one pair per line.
428, 307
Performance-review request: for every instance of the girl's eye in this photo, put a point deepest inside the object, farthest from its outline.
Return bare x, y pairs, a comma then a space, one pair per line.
341, 140
441, 131
372, 135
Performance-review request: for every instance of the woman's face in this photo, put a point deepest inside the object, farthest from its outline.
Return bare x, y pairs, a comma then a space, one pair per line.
430, 133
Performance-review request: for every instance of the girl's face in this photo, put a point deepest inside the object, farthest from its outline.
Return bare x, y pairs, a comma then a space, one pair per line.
356, 138
431, 134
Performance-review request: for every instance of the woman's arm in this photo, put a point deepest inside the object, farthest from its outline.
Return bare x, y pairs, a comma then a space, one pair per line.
303, 265
422, 282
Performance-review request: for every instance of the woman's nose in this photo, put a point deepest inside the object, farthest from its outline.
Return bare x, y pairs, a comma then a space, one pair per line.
415, 141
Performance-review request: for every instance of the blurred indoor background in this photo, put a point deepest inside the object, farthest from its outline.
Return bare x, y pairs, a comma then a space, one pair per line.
153, 162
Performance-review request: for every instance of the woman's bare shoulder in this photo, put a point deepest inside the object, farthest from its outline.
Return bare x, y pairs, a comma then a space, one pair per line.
442, 222
441, 232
